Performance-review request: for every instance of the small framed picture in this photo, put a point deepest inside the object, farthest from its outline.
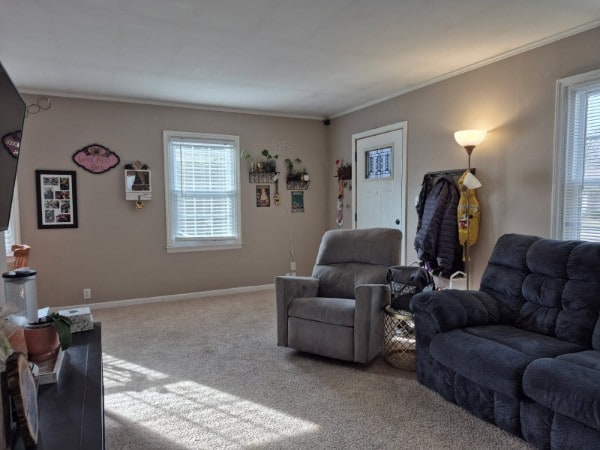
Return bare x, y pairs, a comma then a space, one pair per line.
56, 198
263, 195
297, 201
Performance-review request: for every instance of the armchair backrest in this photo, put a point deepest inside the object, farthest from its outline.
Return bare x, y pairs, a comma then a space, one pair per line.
348, 258
547, 286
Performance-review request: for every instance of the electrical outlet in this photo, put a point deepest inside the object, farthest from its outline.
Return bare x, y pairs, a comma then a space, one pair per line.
87, 293
293, 266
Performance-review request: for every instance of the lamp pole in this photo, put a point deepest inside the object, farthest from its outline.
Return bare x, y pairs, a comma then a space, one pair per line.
468, 139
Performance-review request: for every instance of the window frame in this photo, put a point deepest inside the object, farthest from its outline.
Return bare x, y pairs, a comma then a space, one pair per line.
560, 146
201, 244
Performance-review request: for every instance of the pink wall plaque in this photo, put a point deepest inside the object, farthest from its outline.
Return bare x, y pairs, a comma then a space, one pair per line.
96, 158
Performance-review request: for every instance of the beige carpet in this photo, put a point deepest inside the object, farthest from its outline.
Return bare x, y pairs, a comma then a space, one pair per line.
207, 374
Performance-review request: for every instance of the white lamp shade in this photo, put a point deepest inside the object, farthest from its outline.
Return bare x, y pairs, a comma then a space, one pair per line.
470, 137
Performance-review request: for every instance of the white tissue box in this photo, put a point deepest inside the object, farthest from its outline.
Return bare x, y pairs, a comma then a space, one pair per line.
81, 318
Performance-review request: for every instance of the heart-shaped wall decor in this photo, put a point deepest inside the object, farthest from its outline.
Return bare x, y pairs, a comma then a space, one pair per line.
12, 143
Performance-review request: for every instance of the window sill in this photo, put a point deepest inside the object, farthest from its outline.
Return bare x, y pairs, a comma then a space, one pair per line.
203, 248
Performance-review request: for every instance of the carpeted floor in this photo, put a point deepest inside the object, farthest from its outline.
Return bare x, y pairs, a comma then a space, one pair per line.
207, 374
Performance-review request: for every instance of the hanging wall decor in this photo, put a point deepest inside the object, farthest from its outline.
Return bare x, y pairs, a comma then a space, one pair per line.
96, 158
263, 195
343, 172
12, 143
276, 197
297, 177
56, 198
137, 183
297, 201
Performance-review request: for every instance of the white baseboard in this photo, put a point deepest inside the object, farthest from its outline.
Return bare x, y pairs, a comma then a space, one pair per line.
170, 298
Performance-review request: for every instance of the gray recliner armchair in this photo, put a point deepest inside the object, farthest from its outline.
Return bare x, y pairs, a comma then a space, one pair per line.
338, 312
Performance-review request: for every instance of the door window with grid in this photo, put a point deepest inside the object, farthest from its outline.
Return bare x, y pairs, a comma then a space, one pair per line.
576, 195
202, 191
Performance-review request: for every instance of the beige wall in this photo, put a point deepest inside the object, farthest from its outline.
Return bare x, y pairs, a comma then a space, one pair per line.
118, 251
514, 100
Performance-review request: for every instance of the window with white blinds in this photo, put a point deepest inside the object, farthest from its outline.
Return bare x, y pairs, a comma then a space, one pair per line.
577, 181
12, 235
202, 191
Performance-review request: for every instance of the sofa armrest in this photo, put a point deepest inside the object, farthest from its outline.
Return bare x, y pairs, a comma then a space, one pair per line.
438, 311
371, 299
288, 288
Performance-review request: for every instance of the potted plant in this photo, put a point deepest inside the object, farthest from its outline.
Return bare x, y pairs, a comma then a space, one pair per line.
45, 336
271, 163
343, 170
292, 174
246, 155
268, 165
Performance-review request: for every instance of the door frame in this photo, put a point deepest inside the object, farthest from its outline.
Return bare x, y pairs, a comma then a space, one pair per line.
375, 132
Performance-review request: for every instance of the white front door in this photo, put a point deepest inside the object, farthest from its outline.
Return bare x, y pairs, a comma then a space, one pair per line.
380, 179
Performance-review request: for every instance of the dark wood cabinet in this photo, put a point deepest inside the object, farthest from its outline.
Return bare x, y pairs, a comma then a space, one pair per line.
71, 411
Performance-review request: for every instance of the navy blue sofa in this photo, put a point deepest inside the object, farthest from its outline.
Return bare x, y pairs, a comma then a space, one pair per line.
523, 352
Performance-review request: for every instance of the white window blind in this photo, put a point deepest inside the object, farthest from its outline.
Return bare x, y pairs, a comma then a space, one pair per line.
12, 235
202, 190
581, 187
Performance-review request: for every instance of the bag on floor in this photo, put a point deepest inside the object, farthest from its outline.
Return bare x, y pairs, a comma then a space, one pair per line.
406, 281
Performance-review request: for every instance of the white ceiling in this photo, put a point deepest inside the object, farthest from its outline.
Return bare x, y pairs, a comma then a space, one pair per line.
314, 58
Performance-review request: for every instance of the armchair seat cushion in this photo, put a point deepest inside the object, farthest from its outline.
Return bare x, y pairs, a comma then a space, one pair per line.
569, 385
495, 356
335, 311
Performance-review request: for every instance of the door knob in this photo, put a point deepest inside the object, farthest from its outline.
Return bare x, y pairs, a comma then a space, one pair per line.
397, 221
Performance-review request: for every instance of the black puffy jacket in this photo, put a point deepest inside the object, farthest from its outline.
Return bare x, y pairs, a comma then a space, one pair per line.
436, 241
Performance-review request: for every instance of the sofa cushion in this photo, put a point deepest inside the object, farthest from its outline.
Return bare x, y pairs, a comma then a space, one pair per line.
336, 311
506, 270
543, 288
561, 292
546, 286
495, 356
569, 385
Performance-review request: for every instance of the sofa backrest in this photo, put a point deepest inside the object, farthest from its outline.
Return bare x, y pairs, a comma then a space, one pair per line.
348, 258
547, 286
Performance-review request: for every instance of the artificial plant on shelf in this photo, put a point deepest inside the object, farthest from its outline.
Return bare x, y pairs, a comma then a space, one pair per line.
293, 174
271, 161
268, 165
343, 170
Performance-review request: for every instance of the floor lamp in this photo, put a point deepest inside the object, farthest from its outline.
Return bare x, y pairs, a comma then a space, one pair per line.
469, 139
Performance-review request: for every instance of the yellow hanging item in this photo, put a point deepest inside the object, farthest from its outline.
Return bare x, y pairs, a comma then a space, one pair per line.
468, 226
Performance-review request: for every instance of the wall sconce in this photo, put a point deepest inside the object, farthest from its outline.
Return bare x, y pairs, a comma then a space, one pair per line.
468, 208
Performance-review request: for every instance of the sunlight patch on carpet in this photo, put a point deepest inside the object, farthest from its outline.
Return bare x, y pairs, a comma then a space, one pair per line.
118, 372
192, 415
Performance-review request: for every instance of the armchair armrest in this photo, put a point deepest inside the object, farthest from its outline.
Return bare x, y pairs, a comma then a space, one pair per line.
438, 311
368, 320
288, 288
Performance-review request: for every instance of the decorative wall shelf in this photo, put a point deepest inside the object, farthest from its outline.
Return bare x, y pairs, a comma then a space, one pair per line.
296, 185
263, 177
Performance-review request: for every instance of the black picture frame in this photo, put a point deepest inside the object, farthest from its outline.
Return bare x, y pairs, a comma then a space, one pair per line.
56, 198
